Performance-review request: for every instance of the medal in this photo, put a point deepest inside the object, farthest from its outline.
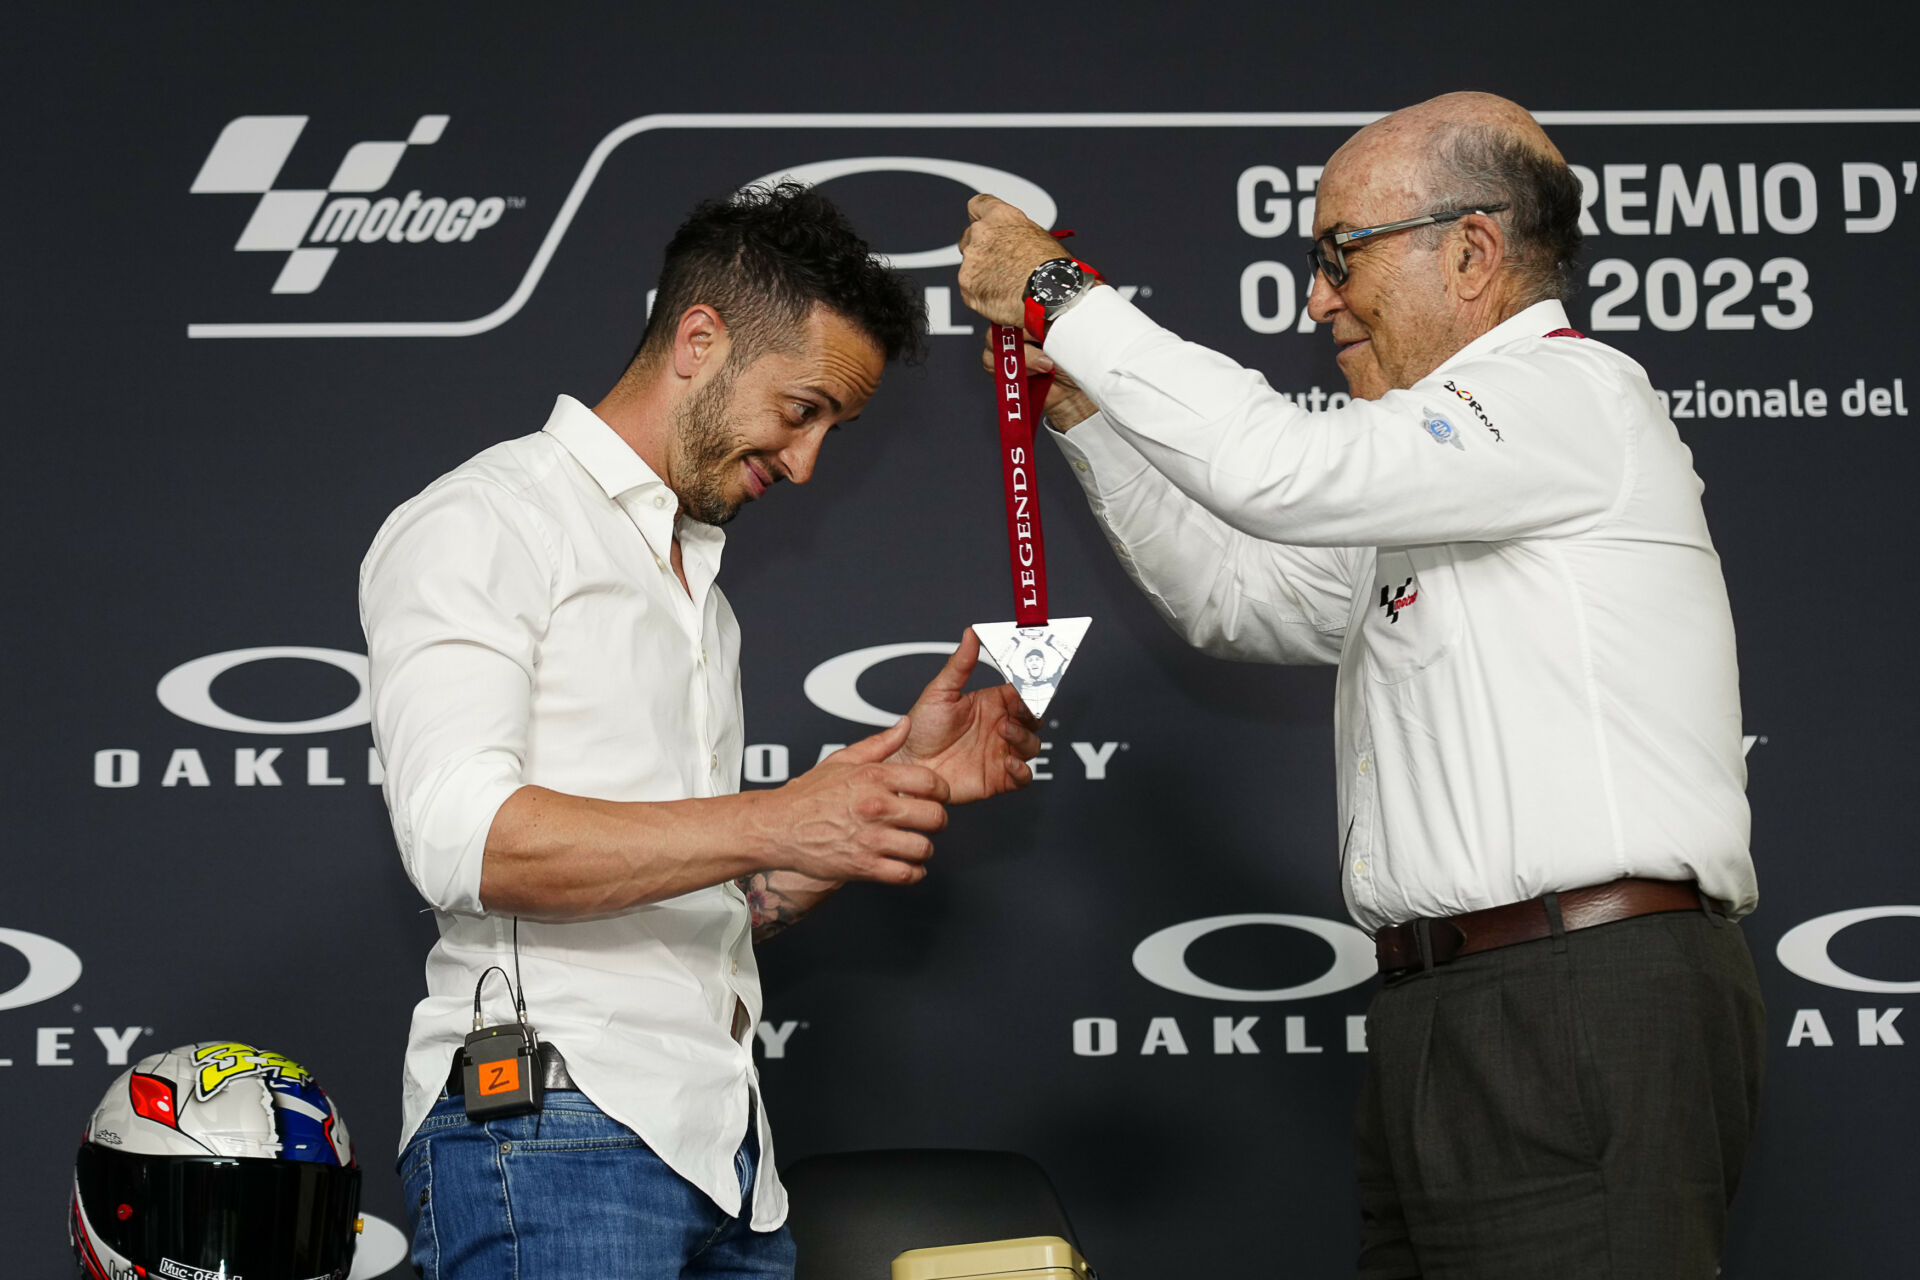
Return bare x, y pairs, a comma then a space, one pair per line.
1033, 650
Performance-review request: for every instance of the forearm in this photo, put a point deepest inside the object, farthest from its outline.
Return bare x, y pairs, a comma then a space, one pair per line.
778, 899
551, 856
1225, 593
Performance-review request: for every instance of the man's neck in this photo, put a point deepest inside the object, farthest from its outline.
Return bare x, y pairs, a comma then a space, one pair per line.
640, 412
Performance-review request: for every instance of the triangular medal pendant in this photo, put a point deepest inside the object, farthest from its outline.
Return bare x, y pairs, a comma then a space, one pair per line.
1033, 659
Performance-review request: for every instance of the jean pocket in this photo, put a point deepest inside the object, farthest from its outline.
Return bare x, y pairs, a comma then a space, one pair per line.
416, 1184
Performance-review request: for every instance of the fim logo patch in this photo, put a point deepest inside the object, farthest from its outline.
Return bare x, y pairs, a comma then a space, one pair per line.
248, 156
1442, 431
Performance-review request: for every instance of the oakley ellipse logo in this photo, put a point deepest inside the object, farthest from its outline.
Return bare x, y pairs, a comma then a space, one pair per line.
1803, 950
1162, 958
187, 691
1027, 196
833, 686
52, 967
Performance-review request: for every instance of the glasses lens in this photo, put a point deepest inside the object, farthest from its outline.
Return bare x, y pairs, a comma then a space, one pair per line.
1325, 259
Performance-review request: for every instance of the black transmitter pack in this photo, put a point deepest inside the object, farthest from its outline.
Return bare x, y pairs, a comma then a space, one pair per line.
501, 1069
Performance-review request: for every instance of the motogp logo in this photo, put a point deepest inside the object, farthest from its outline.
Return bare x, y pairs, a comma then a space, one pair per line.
1393, 601
246, 160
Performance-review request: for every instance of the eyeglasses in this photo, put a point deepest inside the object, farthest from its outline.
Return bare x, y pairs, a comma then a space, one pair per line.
1328, 254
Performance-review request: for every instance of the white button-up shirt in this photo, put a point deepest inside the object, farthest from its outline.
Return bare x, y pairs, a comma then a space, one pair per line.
525, 627
1508, 561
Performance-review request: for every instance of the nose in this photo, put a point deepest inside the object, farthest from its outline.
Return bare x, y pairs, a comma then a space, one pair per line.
797, 460
1323, 300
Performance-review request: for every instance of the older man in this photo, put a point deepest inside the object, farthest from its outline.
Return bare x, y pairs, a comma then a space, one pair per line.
1541, 784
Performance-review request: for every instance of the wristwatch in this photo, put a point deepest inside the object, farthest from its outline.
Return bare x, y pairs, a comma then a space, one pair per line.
1054, 287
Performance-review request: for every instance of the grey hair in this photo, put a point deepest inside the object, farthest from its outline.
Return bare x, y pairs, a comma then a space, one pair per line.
1474, 165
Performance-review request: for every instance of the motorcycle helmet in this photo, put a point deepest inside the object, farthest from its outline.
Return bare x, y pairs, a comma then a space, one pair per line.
215, 1161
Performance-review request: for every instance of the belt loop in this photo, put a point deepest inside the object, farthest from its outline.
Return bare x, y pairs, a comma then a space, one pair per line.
1551, 902
1714, 915
1423, 939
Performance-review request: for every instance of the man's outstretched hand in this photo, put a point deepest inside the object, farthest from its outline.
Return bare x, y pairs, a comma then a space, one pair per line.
978, 740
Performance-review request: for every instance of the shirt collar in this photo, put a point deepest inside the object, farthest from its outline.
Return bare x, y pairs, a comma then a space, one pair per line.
634, 486
611, 461
1536, 321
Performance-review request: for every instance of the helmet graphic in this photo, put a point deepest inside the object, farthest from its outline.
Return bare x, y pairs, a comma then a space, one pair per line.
215, 1161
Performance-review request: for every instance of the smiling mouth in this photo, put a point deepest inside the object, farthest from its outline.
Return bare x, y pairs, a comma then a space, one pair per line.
758, 481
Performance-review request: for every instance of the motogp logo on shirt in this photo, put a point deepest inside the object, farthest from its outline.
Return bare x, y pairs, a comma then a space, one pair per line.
1394, 601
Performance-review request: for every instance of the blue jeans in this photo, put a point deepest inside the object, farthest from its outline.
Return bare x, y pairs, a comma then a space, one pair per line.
569, 1194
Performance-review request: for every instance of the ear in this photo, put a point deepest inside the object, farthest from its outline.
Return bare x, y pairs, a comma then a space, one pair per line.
1475, 254
699, 341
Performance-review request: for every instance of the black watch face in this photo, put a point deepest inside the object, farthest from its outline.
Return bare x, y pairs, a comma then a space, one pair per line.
1053, 283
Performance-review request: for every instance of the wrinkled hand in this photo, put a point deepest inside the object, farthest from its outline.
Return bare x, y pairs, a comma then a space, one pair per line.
998, 251
1067, 405
978, 741
856, 816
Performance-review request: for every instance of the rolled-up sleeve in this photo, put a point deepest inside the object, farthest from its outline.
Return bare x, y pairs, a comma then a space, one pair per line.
455, 596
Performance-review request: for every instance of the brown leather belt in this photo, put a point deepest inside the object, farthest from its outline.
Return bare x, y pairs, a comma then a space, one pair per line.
1398, 946
553, 1072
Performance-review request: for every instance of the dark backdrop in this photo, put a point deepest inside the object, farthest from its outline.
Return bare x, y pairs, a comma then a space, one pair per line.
176, 497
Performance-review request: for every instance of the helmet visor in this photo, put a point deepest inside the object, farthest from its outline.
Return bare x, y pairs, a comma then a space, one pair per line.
218, 1217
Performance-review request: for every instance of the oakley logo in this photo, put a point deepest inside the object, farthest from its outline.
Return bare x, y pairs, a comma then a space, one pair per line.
187, 691
1162, 958
248, 156
52, 967
1011, 187
1803, 950
833, 686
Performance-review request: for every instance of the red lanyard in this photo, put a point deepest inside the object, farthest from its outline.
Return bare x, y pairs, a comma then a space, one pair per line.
1021, 401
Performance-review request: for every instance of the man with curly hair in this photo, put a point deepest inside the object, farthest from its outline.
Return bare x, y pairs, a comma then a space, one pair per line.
556, 694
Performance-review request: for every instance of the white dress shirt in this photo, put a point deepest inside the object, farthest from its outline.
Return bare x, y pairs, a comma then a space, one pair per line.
525, 627
1508, 561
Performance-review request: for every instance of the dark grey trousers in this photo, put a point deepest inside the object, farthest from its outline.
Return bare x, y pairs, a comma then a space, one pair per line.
1574, 1107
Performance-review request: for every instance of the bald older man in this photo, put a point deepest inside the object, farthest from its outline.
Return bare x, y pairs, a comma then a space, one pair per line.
1542, 801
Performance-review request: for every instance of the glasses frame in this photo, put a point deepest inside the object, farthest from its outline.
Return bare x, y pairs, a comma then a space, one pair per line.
1331, 260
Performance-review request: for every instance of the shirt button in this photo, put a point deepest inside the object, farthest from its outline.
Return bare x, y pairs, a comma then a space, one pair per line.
1079, 465
1365, 764
716, 760
1360, 867
659, 500
658, 563
736, 966
703, 655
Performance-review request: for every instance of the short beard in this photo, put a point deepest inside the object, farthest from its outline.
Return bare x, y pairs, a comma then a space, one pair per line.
703, 445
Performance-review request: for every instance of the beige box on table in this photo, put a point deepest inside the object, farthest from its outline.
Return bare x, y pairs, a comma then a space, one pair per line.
1030, 1258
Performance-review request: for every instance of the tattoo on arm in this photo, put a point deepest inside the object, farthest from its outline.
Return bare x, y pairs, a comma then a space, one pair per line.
772, 910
